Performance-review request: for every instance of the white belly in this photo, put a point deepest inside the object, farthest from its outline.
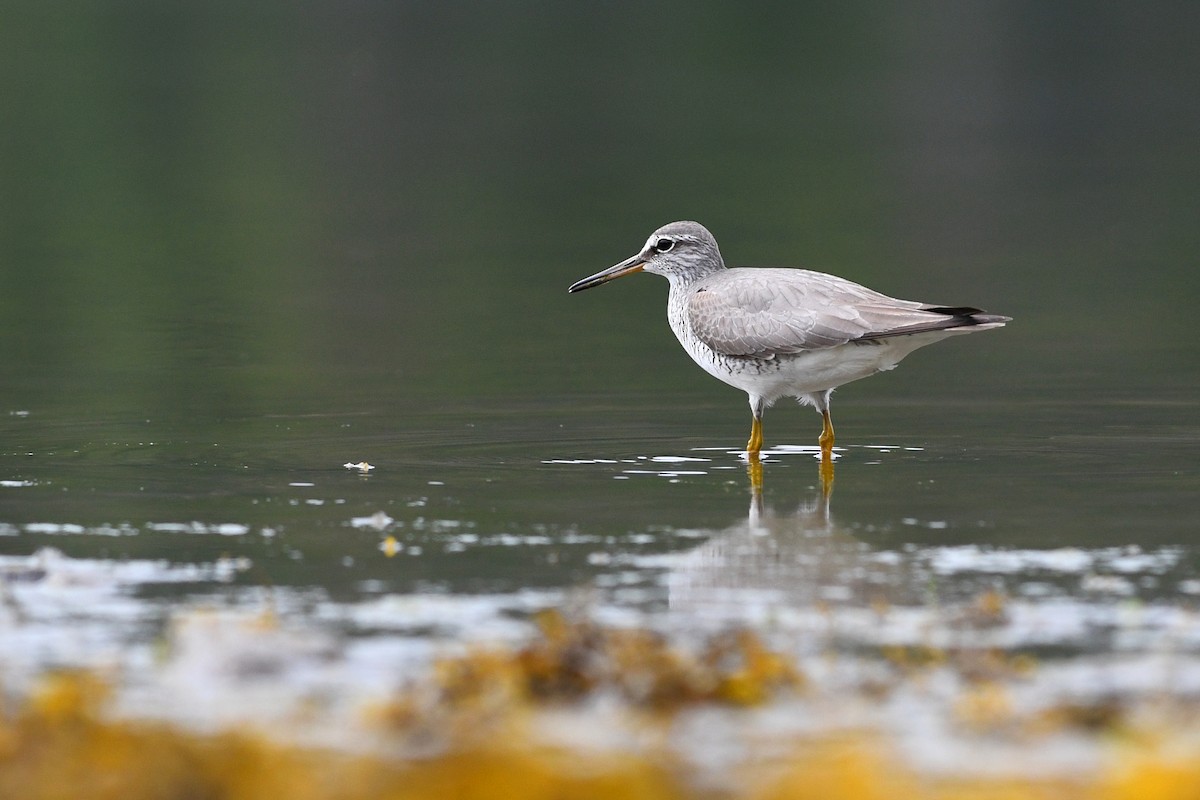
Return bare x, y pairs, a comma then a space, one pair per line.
808, 373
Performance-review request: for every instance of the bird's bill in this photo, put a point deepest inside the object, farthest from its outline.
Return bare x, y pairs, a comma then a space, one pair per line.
626, 267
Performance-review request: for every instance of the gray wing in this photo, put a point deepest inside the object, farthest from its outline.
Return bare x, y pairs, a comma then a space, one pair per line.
767, 312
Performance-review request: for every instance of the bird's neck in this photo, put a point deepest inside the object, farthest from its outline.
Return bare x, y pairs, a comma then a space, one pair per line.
683, 278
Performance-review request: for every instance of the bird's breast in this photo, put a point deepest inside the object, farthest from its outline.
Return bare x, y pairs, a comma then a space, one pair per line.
734, 370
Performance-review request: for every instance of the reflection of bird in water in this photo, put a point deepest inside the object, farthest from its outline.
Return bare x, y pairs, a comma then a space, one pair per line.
796, 561
783, 332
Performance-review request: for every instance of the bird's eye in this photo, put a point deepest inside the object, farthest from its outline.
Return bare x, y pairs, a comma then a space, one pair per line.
663, 245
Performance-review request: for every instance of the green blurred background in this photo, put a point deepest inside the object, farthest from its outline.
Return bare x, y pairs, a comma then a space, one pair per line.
232, 209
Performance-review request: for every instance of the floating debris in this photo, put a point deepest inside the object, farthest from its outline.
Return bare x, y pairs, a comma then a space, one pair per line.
378, 521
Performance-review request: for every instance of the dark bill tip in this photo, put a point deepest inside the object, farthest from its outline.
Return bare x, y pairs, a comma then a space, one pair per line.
626, 267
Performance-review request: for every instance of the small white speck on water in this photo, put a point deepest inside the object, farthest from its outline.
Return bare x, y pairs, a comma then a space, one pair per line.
53, 527
378, 521
1107, 584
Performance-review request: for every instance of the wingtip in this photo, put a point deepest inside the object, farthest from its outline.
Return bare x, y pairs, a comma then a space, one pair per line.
990, 319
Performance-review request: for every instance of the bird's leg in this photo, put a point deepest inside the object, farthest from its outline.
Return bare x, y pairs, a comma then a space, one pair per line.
754, 446
826, 439
826, 442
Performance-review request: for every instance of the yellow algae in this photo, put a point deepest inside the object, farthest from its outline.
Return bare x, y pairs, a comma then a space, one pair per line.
848, 770
390, 546
1102, 716
972, 664
985, 706
988, 609
506, 773
991, 664
858, 767
754, 672
474, 712
1007, 789
58, 744
914, 658
60, 747
67, 696
570, 660
1155, 777
487, 693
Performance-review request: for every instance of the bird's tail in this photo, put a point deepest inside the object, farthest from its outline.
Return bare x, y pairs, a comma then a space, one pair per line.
946, 318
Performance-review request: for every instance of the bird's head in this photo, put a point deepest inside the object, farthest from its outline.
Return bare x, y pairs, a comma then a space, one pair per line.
681, 252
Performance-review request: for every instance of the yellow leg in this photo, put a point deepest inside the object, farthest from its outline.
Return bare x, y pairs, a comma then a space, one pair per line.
826, 440
754, 446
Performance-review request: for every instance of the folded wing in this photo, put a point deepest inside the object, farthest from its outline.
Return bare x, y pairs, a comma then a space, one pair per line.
762, 313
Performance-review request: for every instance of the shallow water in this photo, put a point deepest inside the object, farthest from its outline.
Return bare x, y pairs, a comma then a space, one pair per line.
529, 496
121, 537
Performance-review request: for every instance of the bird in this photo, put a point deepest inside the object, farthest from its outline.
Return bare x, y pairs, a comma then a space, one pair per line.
775, 332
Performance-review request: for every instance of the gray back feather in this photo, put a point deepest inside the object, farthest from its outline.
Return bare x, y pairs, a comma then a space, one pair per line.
767, 312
